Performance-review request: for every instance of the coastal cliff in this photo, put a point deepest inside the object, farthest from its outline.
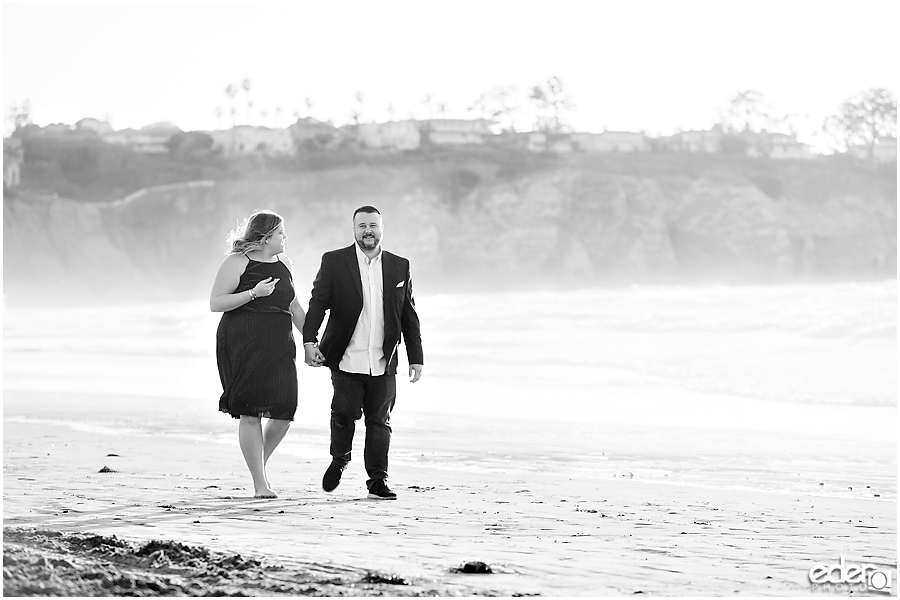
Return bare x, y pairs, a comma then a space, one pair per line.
573, 221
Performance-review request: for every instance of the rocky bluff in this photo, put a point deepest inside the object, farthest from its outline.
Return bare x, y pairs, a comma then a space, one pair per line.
571, 220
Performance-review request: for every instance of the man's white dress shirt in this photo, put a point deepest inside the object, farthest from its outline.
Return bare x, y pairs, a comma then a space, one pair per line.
365, 353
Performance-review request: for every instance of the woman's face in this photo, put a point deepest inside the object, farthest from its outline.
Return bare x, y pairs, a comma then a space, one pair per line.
276, 241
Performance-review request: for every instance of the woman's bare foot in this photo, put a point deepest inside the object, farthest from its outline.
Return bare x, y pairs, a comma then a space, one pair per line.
265, 493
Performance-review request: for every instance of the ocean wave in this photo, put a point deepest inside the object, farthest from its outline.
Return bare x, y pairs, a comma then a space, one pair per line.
815, 344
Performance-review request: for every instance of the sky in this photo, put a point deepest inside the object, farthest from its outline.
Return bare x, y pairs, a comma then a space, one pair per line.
657, 66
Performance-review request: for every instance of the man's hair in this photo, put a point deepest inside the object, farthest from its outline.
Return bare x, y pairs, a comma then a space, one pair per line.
366, 209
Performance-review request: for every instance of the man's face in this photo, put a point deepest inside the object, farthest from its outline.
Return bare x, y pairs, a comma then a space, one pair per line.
367, 230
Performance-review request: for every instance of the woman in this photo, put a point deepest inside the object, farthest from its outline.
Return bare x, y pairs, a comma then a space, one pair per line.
255, 346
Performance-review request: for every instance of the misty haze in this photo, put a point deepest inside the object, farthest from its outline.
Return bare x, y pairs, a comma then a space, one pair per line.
659, 358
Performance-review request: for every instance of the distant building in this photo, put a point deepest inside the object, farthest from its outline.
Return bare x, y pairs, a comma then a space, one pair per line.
249, 140
97, 126
312, 131
784, 146
884, 150
777, 146
397, 135
541, 141
537, 141
610, 141
13, 156
146, 140
510, 139
560, 143
455, 132
693, 141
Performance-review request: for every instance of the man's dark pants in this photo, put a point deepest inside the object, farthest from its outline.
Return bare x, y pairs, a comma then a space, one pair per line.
356, 395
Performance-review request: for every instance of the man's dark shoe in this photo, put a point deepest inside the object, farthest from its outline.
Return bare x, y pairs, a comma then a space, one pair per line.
380, 491
332, 476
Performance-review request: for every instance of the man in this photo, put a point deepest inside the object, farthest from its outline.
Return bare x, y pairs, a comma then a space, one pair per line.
368, 292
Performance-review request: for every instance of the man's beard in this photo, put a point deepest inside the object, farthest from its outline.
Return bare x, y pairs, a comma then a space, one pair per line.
368, 242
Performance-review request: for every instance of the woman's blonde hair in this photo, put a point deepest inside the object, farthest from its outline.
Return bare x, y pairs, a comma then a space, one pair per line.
253, 232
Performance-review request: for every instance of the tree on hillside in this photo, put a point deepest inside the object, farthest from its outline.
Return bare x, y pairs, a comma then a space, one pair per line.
498, 105
748, 111
552, 102
190, 145
862, 120
18, 116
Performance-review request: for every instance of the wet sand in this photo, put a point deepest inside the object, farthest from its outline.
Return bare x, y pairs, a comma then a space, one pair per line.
541, 529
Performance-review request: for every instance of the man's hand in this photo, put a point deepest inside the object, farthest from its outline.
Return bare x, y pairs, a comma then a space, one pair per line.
415, 371
314, 357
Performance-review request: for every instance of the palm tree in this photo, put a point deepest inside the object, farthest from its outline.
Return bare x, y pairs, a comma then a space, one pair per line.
233, 129
246, 85
357, 112
219, 117
427, 101
231, 92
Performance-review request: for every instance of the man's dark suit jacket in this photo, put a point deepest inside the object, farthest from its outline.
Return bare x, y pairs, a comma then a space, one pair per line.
338, 288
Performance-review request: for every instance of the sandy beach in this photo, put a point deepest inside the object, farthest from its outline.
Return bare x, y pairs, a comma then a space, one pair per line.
649, 487
542, 532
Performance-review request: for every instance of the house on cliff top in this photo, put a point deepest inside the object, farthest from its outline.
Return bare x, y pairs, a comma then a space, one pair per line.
146, 140
455, 132
774, 145
250, 140
312, 132
611, 141
96, 125
410, 134
393, 135
695, 142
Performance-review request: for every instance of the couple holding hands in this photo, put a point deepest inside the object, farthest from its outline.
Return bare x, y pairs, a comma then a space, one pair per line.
368, 294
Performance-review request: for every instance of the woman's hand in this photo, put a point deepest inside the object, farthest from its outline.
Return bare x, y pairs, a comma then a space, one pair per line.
265, 287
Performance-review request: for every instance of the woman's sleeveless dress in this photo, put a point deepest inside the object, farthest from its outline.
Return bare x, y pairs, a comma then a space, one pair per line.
255, 349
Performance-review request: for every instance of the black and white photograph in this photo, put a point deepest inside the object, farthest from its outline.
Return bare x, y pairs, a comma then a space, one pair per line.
570, 298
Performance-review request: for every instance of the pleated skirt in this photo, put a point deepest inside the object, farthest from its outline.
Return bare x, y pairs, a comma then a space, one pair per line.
257, 359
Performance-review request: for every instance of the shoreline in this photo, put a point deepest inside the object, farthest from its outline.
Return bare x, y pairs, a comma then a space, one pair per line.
822, 462
547, 535
712, 444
